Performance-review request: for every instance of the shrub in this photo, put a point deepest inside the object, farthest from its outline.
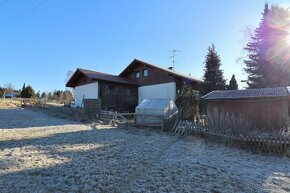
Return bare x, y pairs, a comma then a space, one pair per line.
28, 92
187, 101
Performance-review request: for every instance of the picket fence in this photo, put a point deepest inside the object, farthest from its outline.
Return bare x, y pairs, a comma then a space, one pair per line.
269, 145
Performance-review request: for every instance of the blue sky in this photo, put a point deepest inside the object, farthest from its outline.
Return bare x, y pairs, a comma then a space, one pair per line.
42, 40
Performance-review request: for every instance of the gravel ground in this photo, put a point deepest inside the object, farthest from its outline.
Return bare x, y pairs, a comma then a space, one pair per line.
39, 153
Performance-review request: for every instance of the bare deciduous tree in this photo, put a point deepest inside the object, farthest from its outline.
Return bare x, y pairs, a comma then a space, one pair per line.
9, 88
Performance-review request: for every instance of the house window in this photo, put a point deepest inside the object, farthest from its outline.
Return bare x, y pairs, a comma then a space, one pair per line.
145, 72
137, 74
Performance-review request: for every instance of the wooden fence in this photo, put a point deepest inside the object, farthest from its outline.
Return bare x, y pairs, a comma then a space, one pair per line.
133, 119
271, 145
117, 117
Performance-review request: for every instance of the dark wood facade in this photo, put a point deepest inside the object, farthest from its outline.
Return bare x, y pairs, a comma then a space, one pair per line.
156, 75
268, 114
79, 79
118, 97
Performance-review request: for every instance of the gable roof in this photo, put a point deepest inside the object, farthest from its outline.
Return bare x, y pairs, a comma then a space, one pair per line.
247, 94
93, 75
174, 73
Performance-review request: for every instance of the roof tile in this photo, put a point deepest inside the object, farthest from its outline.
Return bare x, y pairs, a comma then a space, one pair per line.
247, 94
106, 77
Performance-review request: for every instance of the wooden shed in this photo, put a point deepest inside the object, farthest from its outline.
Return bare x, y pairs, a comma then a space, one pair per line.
263, 108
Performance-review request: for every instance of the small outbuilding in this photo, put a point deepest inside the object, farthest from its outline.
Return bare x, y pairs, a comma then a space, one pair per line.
263, 108
157, 112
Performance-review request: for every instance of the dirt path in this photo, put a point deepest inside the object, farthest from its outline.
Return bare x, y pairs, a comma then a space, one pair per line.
39, 153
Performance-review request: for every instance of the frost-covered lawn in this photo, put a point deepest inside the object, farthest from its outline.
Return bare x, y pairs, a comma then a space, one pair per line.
39, 153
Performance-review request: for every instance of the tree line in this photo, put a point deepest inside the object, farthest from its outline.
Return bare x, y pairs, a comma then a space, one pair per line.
268, 55
8, 89
267, 62
63, 96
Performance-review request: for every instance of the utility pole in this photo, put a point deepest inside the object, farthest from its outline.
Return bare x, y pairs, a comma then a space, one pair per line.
173, 58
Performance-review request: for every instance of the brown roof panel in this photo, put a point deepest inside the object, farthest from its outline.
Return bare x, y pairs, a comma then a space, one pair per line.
106, 77
174, 73
102, 76
247, 94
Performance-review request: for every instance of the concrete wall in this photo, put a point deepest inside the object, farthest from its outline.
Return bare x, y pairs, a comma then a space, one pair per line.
166, 90
87, 91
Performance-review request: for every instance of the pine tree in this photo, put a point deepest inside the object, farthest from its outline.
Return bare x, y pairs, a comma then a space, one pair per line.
1, 92
22, 94
43, 95
233, 83
38, 94
213, 75
29, 92
254, 63
265, 64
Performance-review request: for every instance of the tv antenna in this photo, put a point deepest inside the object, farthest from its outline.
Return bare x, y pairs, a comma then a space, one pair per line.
173, 58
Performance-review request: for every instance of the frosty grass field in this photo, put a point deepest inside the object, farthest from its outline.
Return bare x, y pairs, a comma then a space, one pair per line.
39, 153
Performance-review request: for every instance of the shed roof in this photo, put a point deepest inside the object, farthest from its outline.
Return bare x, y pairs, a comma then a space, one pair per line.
247, 94
154, 104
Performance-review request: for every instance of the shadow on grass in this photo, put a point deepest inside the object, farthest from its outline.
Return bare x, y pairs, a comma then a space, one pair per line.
67, 138
101, 160
25, 118
88, 168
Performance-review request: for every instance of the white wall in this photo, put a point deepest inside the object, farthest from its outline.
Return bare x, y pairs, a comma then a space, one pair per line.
87, 91
166, 90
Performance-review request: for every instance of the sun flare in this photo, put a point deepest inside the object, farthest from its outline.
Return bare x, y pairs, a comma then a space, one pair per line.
288, 31
288, 36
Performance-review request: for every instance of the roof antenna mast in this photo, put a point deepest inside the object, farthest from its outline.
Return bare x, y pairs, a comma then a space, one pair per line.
173, 58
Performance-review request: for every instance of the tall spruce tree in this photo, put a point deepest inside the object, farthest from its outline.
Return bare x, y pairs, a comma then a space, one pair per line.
213, 75
254, 63
266, 65
278, 52
22, 93
233, 84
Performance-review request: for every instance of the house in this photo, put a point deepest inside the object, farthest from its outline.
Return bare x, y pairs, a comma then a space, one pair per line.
139, 80
263, 108
11, 95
